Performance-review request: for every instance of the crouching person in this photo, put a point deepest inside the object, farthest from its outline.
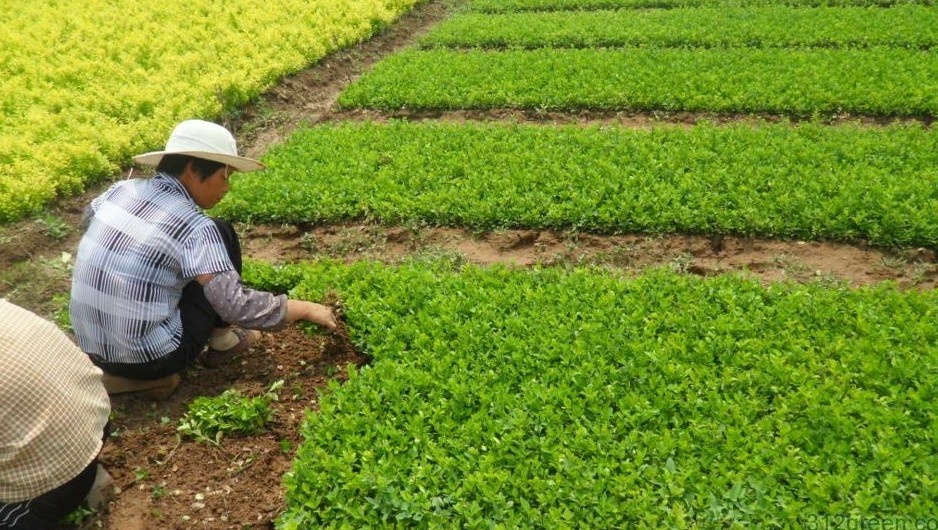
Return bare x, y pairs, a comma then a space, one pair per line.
53, 412
157, 283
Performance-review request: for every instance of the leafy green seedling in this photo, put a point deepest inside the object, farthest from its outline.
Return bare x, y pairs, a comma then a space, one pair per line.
54, 226
141, 474
208, 419
78, 515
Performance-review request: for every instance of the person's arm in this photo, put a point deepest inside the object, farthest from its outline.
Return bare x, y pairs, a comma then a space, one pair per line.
310, 311
254, 309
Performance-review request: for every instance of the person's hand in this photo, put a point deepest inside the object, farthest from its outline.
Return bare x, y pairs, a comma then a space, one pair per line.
312, 312
322, 315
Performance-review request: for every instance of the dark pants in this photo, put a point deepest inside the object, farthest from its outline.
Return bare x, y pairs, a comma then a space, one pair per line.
45, 511
48, 509
198, 316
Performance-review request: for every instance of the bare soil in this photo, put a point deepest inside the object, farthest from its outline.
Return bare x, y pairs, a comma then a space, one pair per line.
165, 481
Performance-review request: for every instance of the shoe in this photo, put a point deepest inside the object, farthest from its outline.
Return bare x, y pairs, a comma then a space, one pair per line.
215, 358
101, 490
158, 389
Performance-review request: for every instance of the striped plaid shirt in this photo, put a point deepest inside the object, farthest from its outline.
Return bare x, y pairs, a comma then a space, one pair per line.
146, 240
53, 406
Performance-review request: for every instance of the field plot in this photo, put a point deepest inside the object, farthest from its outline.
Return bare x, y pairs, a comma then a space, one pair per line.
498, 6
775, 26
554, 399
807, 181
878, 81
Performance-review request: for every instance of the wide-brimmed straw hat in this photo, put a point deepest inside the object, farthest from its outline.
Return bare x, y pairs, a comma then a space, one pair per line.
202, 139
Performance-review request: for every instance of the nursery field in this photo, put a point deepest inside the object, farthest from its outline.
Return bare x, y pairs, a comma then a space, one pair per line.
603, 264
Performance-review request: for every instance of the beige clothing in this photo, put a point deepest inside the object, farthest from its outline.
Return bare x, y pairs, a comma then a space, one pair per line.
53, 406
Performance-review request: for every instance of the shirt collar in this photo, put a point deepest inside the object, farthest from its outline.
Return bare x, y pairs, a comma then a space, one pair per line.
173, 185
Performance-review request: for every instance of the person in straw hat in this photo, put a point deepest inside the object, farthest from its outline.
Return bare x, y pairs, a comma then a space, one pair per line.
156, 281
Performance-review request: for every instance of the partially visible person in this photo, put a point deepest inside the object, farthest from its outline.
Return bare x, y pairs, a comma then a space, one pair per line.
157, 283
53, 414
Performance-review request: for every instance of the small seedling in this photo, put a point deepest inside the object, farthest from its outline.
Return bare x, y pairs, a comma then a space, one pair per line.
141, 474
78, 515
61, 315
54, 226
210, 418
62, 263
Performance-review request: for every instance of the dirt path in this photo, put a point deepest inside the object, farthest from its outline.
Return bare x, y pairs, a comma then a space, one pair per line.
166, 481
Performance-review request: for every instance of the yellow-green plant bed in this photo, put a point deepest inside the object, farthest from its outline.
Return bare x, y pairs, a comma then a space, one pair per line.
84, 85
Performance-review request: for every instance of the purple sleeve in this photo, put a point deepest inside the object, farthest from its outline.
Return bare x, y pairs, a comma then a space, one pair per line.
245, 307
